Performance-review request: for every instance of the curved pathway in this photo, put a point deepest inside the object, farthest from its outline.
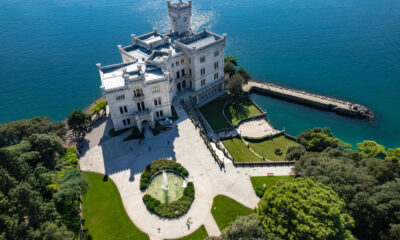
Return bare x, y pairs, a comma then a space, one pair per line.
124, 161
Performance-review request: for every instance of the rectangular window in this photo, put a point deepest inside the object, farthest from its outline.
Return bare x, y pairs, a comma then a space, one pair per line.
155, 102
190, 72
142, 103
183, 60
157, 114
202, 71
177, 64
159, 101
125, 109
121, 110
203, 59
216, 53
138, 107
119, 98
128, 121
216, 65
203, 82
124, 122
161, 113
156, 89
215, 76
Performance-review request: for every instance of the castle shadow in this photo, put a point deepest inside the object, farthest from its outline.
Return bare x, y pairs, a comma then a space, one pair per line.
120, 155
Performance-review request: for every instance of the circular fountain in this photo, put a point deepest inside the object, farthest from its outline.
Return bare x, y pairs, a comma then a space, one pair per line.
166, 186
168, 194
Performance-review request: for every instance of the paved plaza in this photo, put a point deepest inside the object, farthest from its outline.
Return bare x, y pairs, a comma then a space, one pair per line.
123, 162
256, 128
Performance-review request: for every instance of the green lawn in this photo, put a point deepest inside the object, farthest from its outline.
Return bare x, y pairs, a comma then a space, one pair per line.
199, 234
239, 151
212, 111
269, 181
267, 148
225, 210
241, 110
104, 214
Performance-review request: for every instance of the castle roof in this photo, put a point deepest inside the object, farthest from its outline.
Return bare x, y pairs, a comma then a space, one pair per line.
113, 77
199, 40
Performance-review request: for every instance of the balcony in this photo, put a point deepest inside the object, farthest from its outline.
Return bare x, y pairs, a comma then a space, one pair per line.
142, 114
138, 98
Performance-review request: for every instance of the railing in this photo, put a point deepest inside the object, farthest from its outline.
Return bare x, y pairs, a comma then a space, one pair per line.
143, 113
137, 98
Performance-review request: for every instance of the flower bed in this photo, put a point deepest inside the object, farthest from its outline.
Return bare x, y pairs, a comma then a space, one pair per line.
171, 209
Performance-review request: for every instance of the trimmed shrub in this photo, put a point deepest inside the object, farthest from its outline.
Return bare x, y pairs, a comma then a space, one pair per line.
260, 191
278, 151
144, 180
150, 202
189, 190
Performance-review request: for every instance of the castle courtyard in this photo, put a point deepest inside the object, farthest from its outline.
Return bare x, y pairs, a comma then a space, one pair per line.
123, 162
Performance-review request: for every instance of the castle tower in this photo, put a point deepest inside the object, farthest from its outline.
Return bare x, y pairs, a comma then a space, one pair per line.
180, 16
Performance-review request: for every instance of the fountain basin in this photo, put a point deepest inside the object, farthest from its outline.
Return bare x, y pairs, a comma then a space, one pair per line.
166, 194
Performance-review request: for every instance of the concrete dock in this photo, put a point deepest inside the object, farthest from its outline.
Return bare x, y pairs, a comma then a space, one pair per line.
309, 99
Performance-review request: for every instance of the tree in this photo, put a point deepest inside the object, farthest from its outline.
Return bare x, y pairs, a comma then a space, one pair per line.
229, 69
303, 209
244, 228
231, 59
30, 168
393, 153
293, 153
67, 198
50, 231
235, 85
79, 122
99, 106
48, 146
358, 180
246, 75
318, 139
14, 132
385, 202
372, 149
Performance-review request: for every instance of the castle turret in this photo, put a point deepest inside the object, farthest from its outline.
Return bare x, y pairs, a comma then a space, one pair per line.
180, 14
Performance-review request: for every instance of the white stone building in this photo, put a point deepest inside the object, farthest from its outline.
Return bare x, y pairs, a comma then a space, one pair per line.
156, 67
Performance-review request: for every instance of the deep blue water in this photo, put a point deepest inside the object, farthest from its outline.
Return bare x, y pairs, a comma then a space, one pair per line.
348, 49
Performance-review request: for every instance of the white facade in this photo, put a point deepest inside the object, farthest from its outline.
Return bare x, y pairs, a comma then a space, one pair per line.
156, 67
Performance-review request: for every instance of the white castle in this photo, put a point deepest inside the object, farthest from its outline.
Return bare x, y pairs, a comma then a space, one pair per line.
157, 67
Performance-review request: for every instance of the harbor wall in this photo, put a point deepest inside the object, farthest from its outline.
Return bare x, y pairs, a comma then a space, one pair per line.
310, 100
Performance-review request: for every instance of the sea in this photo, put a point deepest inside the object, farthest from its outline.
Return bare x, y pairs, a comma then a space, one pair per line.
348, 49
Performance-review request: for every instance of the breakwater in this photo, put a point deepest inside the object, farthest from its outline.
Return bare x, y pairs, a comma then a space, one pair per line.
309, 99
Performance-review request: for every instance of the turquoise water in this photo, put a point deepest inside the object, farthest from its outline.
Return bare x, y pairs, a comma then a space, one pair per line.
346, 49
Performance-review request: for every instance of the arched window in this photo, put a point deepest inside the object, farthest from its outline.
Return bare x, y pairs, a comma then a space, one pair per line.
183, 72
178, 74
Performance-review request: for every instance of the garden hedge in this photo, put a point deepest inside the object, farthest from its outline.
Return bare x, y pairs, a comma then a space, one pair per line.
173, 209
159, 165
